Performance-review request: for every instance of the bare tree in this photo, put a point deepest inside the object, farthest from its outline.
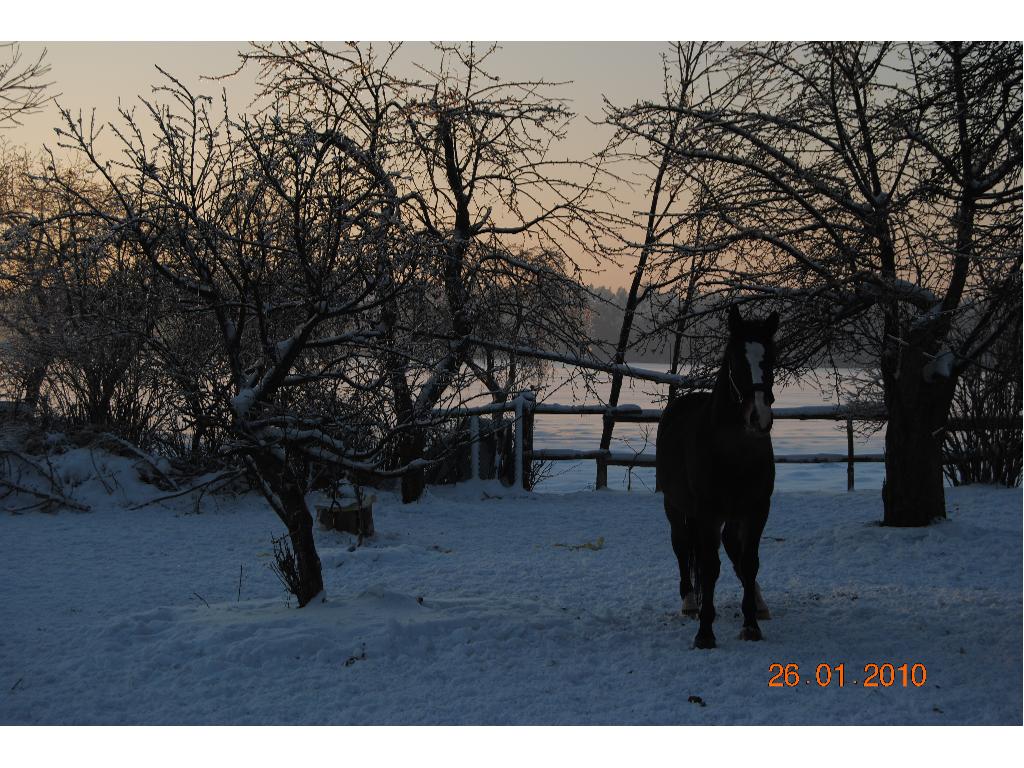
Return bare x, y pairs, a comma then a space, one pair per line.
669, 264
22, 272
274, 225
22, 90
75, 306
471, 154
875, 189
480, 152
530, 303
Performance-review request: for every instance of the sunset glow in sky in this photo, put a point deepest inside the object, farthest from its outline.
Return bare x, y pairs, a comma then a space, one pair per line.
99, 76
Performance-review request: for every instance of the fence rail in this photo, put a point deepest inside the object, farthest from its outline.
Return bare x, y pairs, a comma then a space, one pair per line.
526, 408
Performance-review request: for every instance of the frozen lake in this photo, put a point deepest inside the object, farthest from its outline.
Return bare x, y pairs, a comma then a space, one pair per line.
788, 437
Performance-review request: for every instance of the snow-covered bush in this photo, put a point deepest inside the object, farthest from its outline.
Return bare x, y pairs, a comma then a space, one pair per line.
987, 398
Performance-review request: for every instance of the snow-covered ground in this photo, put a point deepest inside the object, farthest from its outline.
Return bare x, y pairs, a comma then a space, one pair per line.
485, 605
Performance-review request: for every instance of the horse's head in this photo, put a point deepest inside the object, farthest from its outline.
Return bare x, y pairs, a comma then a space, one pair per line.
750, 366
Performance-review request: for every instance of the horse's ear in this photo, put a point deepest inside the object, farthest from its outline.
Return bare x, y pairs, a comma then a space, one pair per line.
773, 323
735, 321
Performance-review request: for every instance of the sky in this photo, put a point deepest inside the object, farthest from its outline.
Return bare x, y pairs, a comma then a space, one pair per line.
101, 75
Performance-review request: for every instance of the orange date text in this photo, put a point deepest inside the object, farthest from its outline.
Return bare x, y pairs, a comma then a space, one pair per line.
827, 675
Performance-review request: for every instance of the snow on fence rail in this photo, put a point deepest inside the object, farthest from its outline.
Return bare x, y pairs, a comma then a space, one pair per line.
526, 408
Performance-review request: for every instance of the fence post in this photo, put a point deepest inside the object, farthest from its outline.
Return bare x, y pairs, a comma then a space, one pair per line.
474, 447
849, 453
524, 409
602, 462
602, 473
529, 401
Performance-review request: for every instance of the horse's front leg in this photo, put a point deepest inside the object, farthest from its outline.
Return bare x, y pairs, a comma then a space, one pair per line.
734, 549
708, 567
763, 613
753, 603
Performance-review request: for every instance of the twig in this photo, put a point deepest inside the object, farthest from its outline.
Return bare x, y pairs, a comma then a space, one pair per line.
593, 546
139, 453
58, 500
99, 475
196, 487
17, 683
56, 496
201, 598
239, 598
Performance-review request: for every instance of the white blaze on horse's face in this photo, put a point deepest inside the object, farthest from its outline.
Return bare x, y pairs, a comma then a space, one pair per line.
755, 356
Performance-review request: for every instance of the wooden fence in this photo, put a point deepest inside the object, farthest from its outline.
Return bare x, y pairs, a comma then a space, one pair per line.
526, 409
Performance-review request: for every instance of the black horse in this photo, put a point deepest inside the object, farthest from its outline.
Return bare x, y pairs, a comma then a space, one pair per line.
716, 468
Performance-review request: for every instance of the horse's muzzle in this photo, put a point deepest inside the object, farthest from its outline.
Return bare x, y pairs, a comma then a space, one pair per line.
757, 415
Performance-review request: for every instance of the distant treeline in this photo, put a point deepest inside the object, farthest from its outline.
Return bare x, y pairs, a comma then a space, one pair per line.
648, 344
606, 308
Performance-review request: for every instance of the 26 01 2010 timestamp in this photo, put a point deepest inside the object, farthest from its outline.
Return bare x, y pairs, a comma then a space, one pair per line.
875, 676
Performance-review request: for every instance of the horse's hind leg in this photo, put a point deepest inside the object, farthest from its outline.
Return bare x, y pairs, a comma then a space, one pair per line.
731, 541
677, 523
708, 538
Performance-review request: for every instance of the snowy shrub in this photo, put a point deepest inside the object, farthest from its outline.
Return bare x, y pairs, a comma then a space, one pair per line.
987, 452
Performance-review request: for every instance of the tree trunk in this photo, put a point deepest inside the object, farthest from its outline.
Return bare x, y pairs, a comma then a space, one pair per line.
310, 575
410, 444
33, 386
913, 493
413, 481
303, 575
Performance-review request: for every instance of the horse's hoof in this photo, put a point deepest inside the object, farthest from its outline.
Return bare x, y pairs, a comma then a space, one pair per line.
704, 641
751, 633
